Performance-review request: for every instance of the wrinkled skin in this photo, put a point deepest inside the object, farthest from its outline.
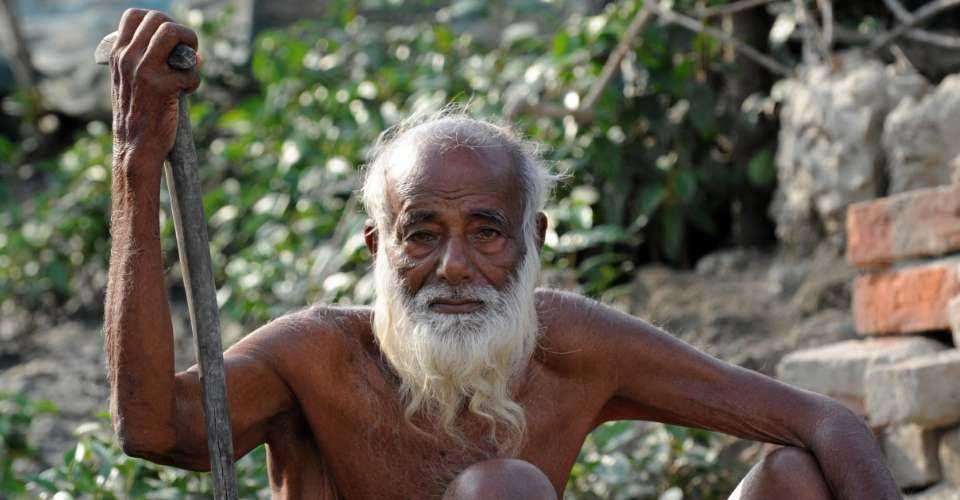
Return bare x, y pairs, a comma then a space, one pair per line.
313, 386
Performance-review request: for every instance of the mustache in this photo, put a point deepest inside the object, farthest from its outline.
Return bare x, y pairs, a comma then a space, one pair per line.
429, 294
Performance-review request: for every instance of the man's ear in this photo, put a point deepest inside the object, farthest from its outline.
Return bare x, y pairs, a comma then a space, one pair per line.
370, 236
541, 229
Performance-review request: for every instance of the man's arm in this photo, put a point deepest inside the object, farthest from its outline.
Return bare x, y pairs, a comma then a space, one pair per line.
158, 414
653, 376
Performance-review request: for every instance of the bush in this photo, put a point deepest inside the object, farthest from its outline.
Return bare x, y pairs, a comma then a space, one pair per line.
280, 166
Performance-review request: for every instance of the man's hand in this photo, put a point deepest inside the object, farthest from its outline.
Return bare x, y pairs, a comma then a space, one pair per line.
146, 90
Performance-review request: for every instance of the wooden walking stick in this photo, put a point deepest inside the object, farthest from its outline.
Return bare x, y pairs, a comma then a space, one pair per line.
186, 200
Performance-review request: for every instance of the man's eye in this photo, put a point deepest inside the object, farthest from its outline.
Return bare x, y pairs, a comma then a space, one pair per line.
421, 237
487, 234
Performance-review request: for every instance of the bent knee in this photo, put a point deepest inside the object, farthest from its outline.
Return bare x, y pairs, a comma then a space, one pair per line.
506, 479
789, 461
788, 472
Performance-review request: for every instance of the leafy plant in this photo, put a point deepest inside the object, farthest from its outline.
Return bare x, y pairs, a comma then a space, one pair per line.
631, 460
281, 159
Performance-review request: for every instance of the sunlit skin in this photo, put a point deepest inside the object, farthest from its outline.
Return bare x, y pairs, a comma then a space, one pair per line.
313, 386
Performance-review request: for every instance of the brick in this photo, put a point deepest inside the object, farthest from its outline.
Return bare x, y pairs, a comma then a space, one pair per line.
838, 370
950, 455
953, 315
920, 390
912, 455
906, 300
919, 223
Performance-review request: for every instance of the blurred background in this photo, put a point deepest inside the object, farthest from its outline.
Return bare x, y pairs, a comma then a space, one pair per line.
709, 170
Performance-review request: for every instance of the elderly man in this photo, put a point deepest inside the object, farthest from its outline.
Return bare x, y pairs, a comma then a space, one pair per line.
463, 380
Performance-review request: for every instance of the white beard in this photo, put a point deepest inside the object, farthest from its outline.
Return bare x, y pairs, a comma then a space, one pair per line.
446, 360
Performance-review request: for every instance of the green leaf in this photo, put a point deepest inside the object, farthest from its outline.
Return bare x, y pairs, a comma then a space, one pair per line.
761, 170
671, 224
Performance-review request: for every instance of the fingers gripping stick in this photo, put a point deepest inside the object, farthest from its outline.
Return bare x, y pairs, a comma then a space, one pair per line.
193, 246
182, 57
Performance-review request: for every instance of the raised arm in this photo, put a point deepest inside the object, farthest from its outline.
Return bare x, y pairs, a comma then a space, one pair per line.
653, 376
157, 414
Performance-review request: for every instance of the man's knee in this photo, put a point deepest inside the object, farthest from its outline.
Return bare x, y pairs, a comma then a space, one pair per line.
505, 479
787, 472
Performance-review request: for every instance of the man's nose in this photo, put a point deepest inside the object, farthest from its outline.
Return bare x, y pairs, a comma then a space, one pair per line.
455, 265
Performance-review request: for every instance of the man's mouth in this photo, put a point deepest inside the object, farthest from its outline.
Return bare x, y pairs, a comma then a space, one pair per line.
455, 306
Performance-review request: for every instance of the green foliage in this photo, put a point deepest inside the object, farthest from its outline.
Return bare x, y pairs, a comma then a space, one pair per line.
280, 166
16, 415
628, 460
96, 467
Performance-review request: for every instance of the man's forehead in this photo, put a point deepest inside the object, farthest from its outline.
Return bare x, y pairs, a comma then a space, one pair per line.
456, 173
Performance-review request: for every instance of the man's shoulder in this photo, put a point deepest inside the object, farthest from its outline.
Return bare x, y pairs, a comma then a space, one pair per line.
572, 325
318, 330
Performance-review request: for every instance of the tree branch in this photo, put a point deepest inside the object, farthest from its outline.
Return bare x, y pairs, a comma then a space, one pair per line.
826, 37
726, 10
23, 70
919, 16
612, 65
920, 35
694, 25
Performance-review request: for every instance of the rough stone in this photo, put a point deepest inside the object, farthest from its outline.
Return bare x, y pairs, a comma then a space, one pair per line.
920, 390
912, 455
955, 170
829, 151
950, 456
906, 300
838, 370
942, 491
919, 223
953, 314
919, 138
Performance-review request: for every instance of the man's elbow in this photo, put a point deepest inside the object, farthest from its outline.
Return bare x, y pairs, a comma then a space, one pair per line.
143, 441
158, 447
836, 424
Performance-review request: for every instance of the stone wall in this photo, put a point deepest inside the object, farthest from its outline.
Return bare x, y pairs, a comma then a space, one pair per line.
902, 374
854, 130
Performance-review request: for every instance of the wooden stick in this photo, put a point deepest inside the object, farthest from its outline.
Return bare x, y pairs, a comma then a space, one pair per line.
193, 246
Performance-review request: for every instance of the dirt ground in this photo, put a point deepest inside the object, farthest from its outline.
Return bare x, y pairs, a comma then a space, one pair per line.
749, 307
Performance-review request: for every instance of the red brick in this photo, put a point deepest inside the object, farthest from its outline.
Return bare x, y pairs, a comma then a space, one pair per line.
919, 223
906, 300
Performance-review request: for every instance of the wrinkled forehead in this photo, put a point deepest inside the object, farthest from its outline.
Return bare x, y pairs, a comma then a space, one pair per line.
423, 170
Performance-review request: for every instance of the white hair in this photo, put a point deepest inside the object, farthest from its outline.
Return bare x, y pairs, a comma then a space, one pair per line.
452, 128
447, 360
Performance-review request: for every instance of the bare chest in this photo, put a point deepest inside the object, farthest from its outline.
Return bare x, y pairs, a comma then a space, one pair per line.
369, 450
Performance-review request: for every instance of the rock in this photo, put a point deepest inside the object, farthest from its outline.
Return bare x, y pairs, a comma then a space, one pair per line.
906, 300
953, 314
950, 456
918, 223
912, 455
943, 491
829, 150
919, 138
955, 170
921, 390
838, 370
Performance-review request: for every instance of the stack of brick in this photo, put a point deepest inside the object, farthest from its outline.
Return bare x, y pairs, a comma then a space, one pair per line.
903, 381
